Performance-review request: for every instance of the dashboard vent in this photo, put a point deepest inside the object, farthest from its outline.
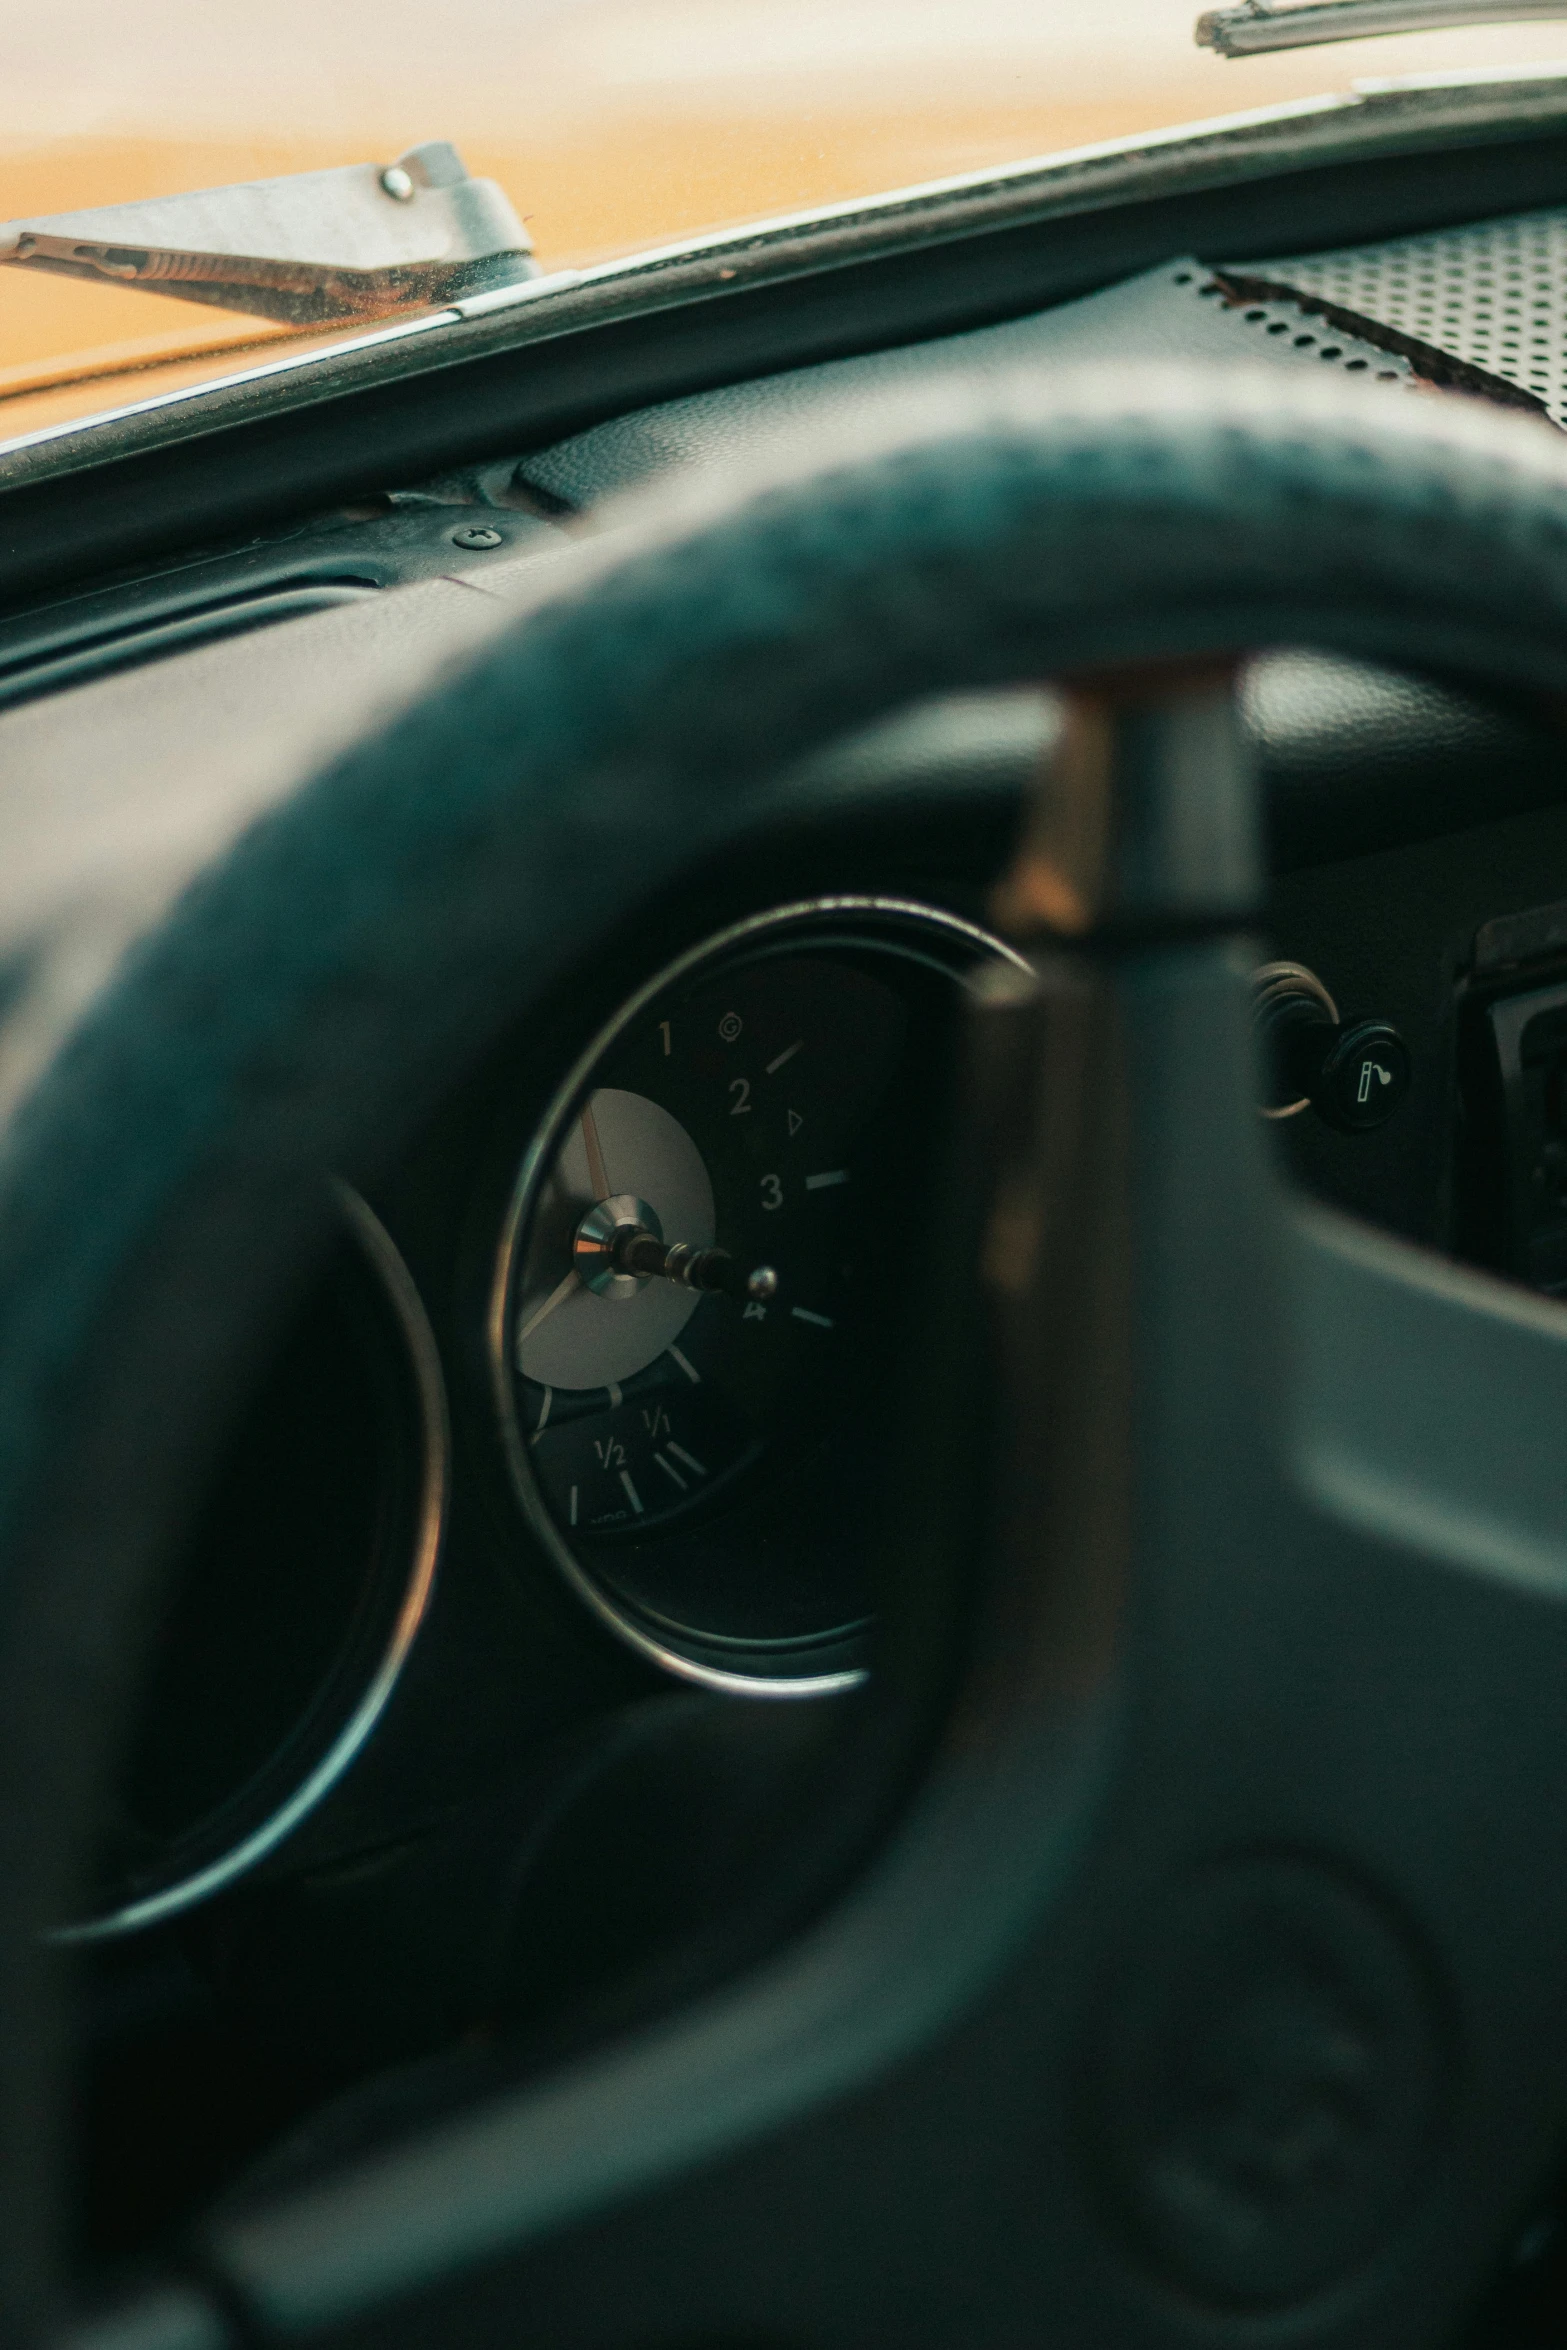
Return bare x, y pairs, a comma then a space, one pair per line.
1491, 299
42, 655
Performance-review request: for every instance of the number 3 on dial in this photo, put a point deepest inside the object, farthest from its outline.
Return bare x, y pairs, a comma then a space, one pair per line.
772, 1192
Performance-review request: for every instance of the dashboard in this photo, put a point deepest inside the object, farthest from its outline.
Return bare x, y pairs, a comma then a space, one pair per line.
578, 1438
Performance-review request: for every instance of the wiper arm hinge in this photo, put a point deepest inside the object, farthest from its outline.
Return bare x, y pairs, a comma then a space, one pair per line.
316, 248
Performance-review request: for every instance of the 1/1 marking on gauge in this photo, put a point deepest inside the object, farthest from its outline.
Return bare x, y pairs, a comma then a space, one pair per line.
671, 1472
788, 1053
690, 1459
833, 1176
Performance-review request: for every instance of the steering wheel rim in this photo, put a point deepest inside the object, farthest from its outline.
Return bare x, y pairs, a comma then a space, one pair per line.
311, 992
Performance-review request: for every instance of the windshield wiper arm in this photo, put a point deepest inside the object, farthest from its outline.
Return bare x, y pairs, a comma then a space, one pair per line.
1301, 24
314, 249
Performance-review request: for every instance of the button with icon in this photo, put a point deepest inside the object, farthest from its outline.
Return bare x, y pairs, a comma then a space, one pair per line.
1363, 1077
1354, 1074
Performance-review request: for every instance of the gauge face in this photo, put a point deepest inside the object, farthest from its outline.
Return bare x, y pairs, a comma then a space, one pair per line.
701, 1459
290, 1610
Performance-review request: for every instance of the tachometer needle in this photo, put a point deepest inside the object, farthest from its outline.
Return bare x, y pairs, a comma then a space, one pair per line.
590, 1138
562, 1290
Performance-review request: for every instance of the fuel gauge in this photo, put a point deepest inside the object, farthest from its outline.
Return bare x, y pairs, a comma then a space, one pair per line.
693, 1318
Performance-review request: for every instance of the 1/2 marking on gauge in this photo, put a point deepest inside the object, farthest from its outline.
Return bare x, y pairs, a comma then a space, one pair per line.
632, 1494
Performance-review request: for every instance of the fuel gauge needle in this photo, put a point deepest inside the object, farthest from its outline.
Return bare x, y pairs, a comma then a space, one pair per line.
599, 1183
590, 1140
558, 1294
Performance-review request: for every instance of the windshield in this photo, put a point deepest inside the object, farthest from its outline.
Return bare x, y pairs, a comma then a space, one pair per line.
612, 125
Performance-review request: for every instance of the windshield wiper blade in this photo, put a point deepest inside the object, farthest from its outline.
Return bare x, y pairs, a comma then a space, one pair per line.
316, 248
1301, 24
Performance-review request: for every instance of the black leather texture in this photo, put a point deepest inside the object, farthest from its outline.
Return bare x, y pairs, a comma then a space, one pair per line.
1170, 316
1354, 757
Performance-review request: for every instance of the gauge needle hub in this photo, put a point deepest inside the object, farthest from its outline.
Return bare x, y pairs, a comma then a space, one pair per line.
619, 1246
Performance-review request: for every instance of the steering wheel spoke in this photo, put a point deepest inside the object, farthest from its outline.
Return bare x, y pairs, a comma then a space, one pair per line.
1325, 1933
1393, 1352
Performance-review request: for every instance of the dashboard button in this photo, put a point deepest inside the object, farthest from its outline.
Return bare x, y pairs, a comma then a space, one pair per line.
1363, 1077
1354, 1074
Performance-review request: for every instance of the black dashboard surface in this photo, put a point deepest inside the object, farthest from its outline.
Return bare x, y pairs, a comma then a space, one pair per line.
156, 710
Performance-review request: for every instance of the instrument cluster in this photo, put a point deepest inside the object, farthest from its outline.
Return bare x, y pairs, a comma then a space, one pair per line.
689, 1312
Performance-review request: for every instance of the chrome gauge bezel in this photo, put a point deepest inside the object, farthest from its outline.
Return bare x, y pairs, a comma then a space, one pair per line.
236, 1859
894, 925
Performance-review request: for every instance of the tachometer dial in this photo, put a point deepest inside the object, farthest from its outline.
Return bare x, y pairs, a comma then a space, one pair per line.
692, 1316
290, 1613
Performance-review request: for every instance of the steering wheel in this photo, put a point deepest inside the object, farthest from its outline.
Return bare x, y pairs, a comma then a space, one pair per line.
1209, 1976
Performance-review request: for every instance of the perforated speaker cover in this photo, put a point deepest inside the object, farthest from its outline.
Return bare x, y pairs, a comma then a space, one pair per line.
1491, 297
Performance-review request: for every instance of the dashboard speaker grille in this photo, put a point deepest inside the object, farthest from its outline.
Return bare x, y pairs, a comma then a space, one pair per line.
1492, 297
